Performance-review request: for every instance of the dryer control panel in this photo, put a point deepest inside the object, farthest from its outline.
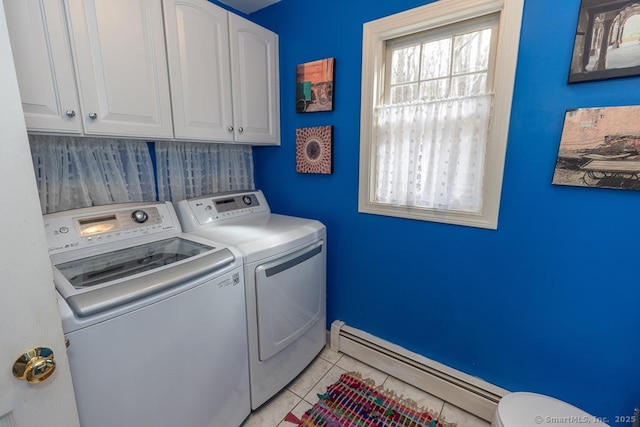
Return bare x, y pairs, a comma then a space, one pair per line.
221, 207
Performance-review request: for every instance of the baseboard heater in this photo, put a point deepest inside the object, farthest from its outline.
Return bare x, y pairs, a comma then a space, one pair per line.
462, 390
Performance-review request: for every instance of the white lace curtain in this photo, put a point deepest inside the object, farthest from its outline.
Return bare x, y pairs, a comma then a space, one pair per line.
432, 154
79, 172
189, 169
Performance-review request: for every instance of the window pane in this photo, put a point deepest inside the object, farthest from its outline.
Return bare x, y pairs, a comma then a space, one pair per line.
404, 93
405, 63
472, 84
434, 90
436, 59
471, 52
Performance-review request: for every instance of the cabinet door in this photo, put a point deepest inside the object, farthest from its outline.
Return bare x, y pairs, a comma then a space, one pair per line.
197, 36
120, 58
43, 63
256, 82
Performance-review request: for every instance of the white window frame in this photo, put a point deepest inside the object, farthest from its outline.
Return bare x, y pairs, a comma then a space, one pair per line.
429, 17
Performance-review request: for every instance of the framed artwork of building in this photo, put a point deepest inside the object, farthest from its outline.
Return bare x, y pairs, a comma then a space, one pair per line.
607, 42
314, 86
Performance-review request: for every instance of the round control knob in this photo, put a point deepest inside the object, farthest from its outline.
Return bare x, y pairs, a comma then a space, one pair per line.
247, 200
139, 216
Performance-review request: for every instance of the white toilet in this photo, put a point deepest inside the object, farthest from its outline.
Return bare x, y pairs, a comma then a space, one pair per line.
534, 410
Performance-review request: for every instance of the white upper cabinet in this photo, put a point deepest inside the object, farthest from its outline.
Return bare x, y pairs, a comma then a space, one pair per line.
197, 36
44, 66
172, 69
224, 75
120, 58
255, 81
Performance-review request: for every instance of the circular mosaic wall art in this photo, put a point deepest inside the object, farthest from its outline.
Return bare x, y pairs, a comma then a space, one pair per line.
313, 149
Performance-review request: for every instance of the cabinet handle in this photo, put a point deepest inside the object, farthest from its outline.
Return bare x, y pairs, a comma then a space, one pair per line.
230, 129
93, 116
70, 113
240, 129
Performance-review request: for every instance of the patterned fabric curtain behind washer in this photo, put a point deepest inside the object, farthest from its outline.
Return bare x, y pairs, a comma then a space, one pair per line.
189, 169
79, 172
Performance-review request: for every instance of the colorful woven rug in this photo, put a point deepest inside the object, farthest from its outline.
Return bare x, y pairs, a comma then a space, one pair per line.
354, 402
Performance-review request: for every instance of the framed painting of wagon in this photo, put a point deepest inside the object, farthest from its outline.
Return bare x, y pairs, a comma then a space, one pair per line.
600, 147
314, 86
607, 41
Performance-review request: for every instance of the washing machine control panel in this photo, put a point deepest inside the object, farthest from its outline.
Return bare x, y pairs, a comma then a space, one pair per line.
221, 207
100, 225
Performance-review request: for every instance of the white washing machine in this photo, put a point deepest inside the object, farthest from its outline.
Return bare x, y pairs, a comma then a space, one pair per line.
155, 319
285, 279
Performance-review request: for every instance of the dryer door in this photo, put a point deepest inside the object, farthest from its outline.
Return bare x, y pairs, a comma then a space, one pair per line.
290, 294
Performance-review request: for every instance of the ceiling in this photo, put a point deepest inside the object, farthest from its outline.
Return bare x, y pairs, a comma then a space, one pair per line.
248, 6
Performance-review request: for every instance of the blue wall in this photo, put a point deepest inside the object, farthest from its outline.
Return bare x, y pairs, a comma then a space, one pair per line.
548, 302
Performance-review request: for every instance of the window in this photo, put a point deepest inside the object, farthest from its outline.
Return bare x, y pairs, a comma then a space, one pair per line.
438, 65
433, 123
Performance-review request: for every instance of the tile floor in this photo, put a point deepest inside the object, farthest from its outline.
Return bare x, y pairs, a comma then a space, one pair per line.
326, 369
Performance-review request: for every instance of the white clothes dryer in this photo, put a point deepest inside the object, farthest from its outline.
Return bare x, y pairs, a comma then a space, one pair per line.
285, 279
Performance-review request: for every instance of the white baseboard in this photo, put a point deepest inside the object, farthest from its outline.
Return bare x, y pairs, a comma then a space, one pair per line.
462, 390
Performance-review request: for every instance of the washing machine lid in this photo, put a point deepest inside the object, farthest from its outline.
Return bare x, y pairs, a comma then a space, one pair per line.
106, 281
106, 257
106, 267
524, 409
